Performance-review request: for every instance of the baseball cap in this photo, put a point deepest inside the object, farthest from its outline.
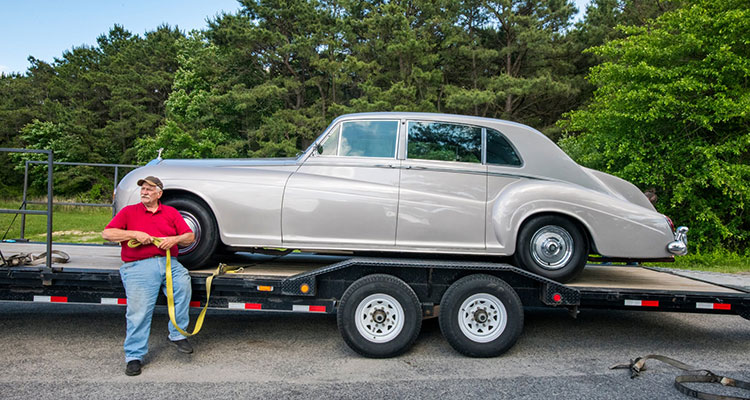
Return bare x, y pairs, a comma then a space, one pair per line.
151, 180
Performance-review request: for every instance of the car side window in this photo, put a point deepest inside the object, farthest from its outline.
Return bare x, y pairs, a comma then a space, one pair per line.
369, 139
499, 150
443, 141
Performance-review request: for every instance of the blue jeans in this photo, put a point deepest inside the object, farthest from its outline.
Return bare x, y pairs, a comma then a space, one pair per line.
142, 280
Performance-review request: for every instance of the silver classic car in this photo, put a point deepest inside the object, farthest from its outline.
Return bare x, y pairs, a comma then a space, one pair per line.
416, 183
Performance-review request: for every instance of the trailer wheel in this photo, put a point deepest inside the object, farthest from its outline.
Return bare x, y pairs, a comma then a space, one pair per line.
202, 223
481, 316
379, 316
553, 247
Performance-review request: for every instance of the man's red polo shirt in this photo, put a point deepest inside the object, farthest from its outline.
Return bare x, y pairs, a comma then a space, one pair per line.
166, 221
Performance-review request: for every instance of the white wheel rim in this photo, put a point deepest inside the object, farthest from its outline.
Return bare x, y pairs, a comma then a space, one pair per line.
552, 247
379, 318
482, 318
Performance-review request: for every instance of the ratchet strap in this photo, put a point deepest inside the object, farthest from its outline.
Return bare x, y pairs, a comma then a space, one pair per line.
19, 259
222, 269
697, 376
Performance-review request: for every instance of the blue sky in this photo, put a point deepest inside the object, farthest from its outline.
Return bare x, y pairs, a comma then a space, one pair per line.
46, 28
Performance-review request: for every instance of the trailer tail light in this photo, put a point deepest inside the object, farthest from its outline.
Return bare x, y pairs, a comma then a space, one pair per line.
557, 297
304, 288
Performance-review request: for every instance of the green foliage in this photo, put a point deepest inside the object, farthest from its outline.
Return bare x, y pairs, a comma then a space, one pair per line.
718, 260
669, 111
672, 111
90, 105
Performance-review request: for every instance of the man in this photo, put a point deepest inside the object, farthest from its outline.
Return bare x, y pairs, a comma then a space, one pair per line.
144, 271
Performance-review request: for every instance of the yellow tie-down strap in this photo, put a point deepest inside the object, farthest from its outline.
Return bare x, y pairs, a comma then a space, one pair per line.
222, 269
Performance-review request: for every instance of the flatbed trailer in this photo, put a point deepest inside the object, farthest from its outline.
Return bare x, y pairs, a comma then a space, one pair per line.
380, 302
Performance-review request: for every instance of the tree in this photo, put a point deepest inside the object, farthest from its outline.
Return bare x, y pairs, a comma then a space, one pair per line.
137, 75
91, 104
672, 111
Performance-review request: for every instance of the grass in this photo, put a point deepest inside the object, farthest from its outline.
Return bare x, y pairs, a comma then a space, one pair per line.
716, 261
84, 225
70, 224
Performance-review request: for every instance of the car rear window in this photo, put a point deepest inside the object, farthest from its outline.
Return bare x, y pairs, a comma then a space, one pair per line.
499, 150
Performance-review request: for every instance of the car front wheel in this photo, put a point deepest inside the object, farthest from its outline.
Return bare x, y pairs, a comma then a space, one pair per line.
196, 255
553, 247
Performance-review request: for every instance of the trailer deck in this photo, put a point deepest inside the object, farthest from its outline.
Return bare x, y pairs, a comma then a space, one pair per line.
326, 284
593, 278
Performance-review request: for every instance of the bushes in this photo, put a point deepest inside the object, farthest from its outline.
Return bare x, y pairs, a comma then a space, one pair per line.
672, 111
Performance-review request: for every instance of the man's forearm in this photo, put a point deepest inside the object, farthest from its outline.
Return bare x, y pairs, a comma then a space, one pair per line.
185, 238
118, 235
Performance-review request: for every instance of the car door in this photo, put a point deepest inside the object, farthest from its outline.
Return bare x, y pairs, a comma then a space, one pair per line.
346, 194
443, 189
504, 165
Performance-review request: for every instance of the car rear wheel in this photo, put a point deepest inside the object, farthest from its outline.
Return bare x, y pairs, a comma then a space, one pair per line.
553, 247
196, 255
379, 316
481, 316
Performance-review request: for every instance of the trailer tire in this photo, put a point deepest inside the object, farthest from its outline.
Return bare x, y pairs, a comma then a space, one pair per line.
197, 254
379, 316
553, 247
481, 316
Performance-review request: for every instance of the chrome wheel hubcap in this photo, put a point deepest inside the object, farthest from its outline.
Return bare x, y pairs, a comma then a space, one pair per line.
195, 226
552, 247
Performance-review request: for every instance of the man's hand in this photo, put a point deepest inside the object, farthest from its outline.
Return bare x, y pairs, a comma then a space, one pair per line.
143, 237
168, 242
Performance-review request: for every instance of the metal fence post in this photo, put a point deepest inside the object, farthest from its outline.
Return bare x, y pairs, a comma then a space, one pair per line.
49, 209
114, 187
23, 204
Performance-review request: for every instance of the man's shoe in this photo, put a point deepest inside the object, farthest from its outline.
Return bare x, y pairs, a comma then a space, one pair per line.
133, 368
183, 346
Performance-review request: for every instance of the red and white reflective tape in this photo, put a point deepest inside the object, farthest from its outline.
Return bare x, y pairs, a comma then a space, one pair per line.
259, 306
51, 299
642, 303
309, 308
244, 306
713, 306
114, 301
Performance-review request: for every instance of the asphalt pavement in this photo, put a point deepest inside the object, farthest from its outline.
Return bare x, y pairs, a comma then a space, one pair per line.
51, 351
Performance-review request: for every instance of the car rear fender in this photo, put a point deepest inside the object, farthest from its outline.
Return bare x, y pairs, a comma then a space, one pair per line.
616, 227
